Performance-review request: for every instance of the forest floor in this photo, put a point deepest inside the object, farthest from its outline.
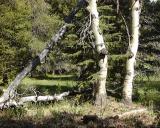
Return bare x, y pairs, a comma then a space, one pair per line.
71, 112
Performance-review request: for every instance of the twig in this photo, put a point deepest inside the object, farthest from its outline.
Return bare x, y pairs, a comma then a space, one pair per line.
127, 29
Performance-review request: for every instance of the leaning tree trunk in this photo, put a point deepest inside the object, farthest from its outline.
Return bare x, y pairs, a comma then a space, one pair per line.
133, 47
100, 90
10, 92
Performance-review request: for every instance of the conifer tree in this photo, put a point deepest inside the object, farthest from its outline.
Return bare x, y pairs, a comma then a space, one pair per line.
15, 37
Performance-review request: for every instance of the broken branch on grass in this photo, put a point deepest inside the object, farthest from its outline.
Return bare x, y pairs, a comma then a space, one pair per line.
57, 97
132, 113
23, 100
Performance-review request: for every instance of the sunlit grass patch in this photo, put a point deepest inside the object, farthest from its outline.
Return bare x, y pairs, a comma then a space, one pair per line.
147, 89
50, 84
50, 81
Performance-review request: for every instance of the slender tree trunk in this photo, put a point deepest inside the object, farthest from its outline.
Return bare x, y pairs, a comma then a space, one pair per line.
133, 47
10, 92
100, 91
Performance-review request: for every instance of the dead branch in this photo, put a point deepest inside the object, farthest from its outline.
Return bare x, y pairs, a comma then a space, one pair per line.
57, 97
132, 113
127, 29
23, 100
117, 6
123, 19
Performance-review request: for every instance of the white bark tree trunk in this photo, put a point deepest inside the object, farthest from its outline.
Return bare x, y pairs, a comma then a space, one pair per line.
133, 47
100, 93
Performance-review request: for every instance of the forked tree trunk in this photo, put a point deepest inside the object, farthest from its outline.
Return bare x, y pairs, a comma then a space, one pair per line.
133, 47
100, 90
10, 92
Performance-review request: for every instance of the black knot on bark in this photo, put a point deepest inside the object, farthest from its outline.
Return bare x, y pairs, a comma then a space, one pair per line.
131, 55
103, 51
94, 16
137, 9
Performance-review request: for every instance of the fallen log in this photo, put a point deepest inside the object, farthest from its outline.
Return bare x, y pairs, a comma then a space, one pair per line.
132, 113
23, 100
56, 97
10, 91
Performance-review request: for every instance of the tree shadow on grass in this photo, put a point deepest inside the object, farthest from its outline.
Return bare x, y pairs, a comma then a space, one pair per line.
11, 123
53, 89
58, 77
68, 120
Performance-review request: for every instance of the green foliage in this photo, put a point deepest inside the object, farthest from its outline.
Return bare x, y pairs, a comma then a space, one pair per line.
111, 25
19, 113
148, 92
149, 49
14, 36
25, 27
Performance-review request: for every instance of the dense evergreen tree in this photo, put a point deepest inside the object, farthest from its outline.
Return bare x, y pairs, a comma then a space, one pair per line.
149, 49
15, 36
26, 26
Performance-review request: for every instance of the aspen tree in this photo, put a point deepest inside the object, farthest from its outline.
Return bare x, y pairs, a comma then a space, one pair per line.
133, 47
100, 87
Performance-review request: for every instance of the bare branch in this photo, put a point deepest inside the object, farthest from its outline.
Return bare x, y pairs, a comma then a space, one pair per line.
117, 6
127, 29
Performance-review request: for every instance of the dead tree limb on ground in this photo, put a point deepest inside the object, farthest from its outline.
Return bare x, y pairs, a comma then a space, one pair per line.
23, 100
36, 98
132, 113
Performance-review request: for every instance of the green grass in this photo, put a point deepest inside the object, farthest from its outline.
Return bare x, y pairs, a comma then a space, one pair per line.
49, 84
49, 80
147, 89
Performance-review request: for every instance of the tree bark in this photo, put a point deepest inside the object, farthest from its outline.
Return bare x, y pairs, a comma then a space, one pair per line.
133, 47
10, 92
100, 90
